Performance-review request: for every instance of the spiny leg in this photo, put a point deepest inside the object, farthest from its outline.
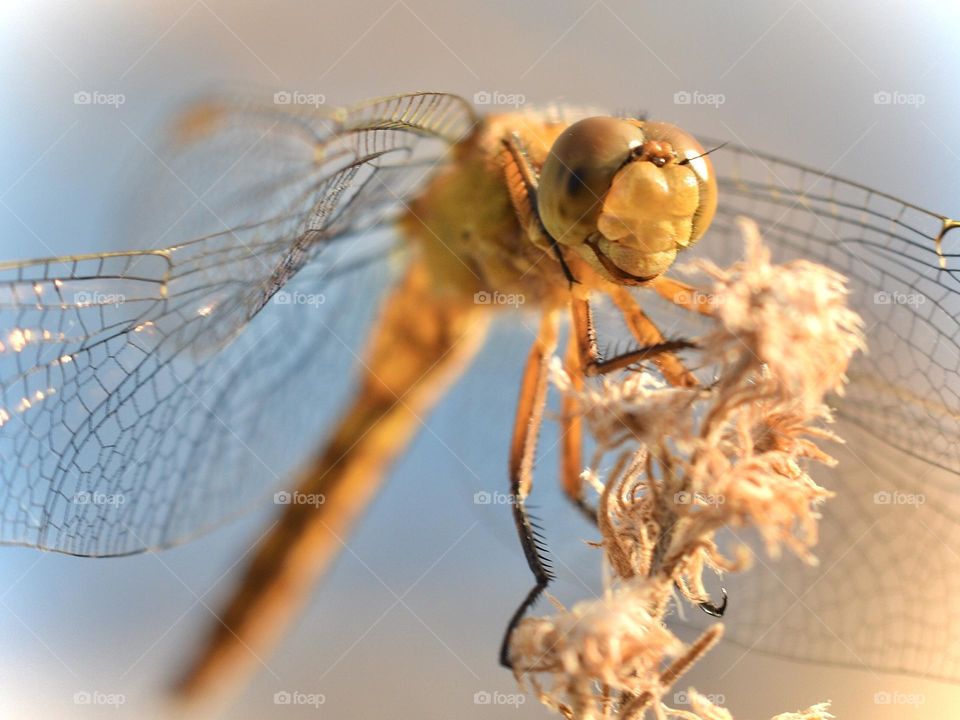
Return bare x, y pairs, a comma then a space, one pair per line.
648, 334
526, 429
522, 181
522, 184
583, 358
571, 433
712, 609
656, 348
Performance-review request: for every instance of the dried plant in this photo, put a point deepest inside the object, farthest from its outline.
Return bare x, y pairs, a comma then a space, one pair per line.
687, 462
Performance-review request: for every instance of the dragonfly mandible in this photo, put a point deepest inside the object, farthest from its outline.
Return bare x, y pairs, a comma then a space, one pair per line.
147, 396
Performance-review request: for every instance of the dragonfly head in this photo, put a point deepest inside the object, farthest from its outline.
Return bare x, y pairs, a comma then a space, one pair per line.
626, 195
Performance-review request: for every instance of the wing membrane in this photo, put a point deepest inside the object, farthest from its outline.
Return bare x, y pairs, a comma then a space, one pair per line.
885, 593
144, 395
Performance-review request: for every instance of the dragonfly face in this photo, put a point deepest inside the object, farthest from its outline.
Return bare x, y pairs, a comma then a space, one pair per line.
627, 195
531, 203
154, 376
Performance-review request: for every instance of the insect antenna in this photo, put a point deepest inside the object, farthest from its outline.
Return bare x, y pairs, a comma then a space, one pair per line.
703, 154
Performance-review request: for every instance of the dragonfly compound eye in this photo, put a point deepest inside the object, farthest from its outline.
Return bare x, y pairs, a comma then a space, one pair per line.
626, 195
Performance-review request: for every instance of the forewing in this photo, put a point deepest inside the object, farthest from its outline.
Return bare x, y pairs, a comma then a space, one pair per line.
886, 591
146, 396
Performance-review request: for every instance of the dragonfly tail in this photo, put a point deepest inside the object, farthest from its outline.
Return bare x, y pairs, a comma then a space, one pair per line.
419, 346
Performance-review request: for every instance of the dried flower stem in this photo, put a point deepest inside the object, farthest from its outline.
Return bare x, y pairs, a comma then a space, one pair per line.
689, 461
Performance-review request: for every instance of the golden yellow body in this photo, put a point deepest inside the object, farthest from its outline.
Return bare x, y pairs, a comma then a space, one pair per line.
618, 208
476, 238
466, 227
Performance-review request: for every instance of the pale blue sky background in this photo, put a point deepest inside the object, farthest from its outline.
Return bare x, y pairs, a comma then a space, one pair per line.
798, 79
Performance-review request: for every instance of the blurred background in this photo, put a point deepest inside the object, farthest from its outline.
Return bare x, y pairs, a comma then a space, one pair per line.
409, 622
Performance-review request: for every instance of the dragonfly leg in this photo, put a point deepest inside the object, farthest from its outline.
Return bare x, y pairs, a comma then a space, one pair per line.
522, 181
571, 434
682, 294
418, 347
712, 608
587, 359
526, 429
583, 358
655, 347
648, 334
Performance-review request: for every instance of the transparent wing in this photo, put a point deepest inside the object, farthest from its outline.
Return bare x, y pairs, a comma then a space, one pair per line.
145, 396
885, 594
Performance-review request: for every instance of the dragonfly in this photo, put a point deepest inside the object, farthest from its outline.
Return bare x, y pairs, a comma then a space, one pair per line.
148, 396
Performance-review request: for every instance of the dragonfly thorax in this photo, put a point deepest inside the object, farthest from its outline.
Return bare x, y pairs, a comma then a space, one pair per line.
616, 198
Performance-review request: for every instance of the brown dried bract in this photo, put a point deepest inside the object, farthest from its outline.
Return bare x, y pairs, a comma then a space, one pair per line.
687, 462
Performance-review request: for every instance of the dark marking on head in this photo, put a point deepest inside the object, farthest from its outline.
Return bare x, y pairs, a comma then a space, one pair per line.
574, 184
